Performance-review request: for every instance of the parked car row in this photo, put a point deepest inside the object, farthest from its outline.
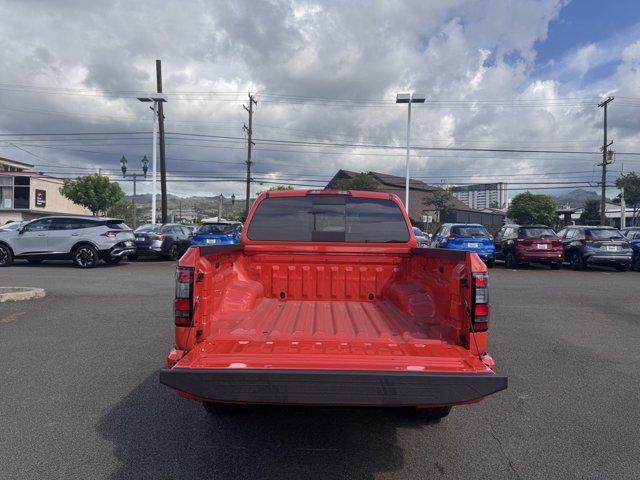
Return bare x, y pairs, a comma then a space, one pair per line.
87, 240
578, 245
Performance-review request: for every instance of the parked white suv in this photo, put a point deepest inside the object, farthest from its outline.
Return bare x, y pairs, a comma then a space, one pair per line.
85, 240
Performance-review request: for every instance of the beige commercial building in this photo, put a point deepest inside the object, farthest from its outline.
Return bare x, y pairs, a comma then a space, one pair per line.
25, 194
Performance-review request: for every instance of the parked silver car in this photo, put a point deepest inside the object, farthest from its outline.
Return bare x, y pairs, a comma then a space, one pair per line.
85, 240
423, 239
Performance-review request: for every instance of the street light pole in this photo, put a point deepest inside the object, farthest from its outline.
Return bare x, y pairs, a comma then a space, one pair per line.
134, 176
154, 98
406, 163
408, 98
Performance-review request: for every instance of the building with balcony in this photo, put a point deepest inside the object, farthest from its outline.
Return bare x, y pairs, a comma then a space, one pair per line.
25, 194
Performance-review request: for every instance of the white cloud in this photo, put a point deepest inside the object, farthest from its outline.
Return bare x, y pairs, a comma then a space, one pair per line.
453, 50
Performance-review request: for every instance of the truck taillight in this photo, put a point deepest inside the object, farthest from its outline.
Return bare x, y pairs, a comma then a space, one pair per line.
184, 297
480, 302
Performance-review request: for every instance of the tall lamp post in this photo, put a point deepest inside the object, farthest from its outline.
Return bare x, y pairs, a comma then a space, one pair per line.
145, 167
408, 98
154, 98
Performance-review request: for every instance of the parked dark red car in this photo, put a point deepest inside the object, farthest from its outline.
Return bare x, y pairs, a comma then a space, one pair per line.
516, 244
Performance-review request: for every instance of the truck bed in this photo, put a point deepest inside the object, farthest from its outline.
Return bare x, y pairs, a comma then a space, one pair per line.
317, 320
350, 325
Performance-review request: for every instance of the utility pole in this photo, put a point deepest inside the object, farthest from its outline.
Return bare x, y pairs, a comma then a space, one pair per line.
250, 144
220, 207
163, 164
604, 163
623, 204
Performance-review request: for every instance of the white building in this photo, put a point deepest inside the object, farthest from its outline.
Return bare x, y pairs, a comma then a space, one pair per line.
25, 195
482, 195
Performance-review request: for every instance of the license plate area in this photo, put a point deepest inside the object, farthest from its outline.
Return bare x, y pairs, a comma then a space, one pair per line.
472, 245
211, 241
612, 248
542, 246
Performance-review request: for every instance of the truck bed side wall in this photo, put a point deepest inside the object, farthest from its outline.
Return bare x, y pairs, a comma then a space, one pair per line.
425, 283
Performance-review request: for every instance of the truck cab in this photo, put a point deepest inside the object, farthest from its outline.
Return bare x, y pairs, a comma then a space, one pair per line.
327, 300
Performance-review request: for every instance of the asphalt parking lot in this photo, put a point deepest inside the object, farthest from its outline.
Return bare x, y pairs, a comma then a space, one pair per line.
81, 399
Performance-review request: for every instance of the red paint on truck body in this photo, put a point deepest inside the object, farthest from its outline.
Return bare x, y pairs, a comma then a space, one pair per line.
331, 307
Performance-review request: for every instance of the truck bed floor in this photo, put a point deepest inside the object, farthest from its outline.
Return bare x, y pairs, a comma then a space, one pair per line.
379, 321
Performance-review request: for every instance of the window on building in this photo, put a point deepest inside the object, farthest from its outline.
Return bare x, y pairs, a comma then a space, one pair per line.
21, 192
6, 192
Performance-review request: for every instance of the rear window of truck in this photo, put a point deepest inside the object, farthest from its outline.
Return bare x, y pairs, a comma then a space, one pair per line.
328, 219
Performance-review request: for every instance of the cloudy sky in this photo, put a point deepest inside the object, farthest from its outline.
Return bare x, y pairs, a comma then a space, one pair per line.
514, 75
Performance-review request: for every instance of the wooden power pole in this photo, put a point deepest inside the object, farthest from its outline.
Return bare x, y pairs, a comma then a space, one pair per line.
250, 144
163, 163
604, 164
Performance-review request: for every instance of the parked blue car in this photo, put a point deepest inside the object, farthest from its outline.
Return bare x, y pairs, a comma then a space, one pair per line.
217, 233
470, 237
633, 235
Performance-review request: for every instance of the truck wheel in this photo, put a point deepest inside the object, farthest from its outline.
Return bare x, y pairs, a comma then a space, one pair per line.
510, 261
432, 414
556, 265
85, 256
6, 258
577, 263
623, 268
216, 408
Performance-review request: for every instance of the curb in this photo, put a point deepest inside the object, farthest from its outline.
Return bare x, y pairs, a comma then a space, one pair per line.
14, 294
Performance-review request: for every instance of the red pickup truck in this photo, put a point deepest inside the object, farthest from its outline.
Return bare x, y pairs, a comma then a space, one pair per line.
327, 300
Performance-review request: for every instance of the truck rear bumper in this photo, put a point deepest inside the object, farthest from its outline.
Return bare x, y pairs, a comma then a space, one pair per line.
336, 387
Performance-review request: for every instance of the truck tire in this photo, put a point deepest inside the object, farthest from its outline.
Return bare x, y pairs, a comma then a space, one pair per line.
576, 260
216, 408
510, 260
85, 256
6, 257
432, 414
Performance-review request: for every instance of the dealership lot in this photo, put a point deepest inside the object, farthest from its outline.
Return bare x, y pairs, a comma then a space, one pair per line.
80, 396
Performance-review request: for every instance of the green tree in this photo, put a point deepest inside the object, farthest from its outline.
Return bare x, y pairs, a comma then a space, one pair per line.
631, 184
94, 192
360, 181
123, 210
438, 199
591, 212
528, 208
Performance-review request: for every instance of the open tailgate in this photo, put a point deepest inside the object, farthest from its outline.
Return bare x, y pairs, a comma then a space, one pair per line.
401, 375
